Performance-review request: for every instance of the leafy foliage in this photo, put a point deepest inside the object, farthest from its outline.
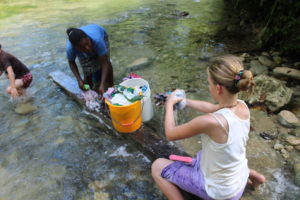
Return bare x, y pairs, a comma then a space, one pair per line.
279, 22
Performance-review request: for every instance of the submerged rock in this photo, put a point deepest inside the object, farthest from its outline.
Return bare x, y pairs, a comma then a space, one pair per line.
97, 185
297, 174
288, 119
101, 196
178, 13
25, 108
270, 91
139, 64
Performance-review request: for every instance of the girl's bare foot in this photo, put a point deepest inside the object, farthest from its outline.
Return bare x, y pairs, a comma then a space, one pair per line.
255, 179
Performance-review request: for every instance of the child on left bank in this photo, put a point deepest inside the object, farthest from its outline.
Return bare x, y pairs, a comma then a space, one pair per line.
18, 74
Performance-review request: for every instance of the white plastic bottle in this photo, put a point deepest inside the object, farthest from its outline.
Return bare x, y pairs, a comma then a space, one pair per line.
180, 105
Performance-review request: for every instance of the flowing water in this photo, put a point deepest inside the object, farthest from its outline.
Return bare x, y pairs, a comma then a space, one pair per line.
56, 150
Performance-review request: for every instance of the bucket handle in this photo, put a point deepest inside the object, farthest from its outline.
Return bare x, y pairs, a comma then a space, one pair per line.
130, 123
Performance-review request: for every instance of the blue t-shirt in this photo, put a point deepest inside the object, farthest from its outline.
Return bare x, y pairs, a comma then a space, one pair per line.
96, 34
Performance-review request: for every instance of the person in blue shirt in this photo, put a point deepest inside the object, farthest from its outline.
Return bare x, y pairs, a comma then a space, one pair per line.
91, 46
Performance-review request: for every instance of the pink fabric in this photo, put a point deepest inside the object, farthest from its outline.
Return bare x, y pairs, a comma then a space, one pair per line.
27, 79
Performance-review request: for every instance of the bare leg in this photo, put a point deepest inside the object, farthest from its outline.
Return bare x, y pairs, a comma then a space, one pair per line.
169, 189
19, 86
256, 179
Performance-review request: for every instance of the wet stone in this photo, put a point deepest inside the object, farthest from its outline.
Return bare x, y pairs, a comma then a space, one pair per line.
22, 122
265, 54
292, 140
97, 185
295, 132
288, 119
139, 63
257, 68
25, 108
60, 140
297, 174
266, 61
101, 196
289, 148
278, 146
277, 59
288, 72
269, 91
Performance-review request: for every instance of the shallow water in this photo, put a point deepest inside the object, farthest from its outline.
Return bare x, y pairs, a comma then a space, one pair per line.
58, 151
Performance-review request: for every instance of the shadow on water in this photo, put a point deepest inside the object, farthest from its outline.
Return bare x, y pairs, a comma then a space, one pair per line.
57, 151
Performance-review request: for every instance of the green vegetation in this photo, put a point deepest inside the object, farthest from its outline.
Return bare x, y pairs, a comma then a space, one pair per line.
7, 10
278, 22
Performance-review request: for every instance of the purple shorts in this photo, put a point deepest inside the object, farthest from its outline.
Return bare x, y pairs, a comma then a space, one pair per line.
189, 177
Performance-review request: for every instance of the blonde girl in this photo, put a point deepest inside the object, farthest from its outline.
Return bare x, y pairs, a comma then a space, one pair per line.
220, 170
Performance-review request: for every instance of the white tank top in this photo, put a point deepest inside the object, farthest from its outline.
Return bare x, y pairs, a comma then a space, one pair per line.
225, 166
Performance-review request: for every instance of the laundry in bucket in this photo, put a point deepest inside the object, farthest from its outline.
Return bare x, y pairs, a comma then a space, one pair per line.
121, 95
147, 110
92, 100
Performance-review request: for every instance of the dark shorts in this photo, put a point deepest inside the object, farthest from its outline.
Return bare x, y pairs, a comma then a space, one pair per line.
96, 76
189, 177
27, 79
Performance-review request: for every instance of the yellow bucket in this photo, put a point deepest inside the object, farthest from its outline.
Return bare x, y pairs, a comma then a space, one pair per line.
126, 119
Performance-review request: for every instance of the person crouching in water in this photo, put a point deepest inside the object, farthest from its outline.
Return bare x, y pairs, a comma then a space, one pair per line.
220, 170
18, 74
90, 44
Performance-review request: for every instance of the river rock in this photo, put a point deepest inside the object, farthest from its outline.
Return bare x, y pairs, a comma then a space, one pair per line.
25, 108
278, 146
277, 59
266, 61
178, 13
275, 53
97, 185
288, 119
101, 196
257, 68
297, 64
286, 71
296, 132
297, 173
296, 91
270, 91
289, 148
139, 64
264, 53
292, 140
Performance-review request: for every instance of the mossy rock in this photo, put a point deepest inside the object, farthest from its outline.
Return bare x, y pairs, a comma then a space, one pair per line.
269, 91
